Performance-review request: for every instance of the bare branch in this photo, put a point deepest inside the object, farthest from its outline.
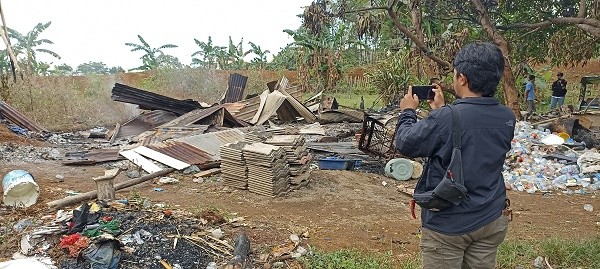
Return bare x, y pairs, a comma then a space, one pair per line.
565, 20
582, 9
421, 45
590, 30
366, 9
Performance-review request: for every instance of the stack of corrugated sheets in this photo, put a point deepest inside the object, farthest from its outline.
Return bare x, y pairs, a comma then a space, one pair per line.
297, 154
257, 137
268, 171
233, 165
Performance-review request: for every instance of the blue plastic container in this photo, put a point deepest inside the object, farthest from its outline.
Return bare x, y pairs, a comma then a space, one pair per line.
336, 164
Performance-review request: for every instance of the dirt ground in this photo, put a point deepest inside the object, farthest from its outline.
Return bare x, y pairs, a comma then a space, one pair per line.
338, 209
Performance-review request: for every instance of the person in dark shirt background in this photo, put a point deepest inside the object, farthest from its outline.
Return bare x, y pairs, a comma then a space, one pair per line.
559, 90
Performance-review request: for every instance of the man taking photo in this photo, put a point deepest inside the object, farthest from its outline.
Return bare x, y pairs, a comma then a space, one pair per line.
464, 235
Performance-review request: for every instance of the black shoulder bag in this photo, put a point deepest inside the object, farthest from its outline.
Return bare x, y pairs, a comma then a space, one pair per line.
451, 189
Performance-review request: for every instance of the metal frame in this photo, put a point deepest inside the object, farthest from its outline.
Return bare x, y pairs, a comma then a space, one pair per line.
377, 140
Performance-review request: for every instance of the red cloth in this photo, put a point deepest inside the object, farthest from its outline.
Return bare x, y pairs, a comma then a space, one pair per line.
75, 243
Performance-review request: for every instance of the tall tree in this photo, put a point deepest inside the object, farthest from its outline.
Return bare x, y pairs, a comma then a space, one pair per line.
153, 57
92, 68
27, 46
62, 70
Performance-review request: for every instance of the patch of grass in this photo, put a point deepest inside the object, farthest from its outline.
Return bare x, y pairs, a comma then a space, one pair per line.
561, 253
352, 100
347, 259
571, 254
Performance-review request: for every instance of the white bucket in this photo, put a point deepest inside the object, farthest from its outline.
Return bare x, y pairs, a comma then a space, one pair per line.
20, 190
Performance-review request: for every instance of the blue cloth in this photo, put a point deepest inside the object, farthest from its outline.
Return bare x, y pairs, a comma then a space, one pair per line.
530, 91
487, 131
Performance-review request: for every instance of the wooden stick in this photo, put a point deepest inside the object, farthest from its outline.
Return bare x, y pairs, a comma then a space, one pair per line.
550, 120
203, 248
93, 194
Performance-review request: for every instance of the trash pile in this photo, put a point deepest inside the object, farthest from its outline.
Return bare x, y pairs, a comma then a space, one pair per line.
136, 233
540, 161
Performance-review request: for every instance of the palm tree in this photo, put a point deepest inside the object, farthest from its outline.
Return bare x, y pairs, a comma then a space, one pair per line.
261, 56
208, 52
27, 45
154, 57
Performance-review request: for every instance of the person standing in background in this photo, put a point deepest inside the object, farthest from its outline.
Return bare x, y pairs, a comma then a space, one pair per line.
530, 95
559, 90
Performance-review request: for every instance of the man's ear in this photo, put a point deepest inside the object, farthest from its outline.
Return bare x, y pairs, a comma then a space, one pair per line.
462, 80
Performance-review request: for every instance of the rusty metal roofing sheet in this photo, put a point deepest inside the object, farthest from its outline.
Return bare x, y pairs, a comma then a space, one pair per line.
342, 115
160, 133
211, 142
235, 88
144, 122
16, 117
152, 101
216, 115
91, 157
184, 152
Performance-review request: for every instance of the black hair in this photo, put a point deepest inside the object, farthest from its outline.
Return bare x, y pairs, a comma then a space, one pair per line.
531, 77
560, 74
483, 64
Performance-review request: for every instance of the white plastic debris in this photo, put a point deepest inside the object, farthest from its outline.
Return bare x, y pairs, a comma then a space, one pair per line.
217, 233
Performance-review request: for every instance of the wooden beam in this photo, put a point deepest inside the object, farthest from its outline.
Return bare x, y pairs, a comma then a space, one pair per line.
93, 194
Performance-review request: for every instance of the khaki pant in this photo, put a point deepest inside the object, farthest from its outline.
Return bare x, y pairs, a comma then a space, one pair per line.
473, 250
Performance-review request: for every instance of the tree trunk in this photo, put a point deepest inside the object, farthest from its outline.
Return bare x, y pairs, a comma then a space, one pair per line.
508, 80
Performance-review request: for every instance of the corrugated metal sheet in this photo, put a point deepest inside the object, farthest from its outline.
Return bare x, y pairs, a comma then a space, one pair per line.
16, 117
212, 141
142, 123
216, 115
160, 134
246, 109
184, 152
91, 157
342, 115
152, 101
235, 88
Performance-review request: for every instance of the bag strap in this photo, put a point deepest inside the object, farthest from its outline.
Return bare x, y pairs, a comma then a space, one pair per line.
456, 124
457, 174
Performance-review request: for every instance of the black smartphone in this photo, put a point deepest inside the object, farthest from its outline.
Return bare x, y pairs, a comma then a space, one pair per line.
424, 92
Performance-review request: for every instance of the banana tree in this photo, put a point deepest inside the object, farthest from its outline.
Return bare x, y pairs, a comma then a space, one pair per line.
261, 55
208, 52
153, 57
321, 54
26, 46
236, 54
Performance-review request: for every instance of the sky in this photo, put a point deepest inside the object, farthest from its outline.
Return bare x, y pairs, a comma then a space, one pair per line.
97, 30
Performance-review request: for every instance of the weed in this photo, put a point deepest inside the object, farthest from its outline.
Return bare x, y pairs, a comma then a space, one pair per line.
347, 259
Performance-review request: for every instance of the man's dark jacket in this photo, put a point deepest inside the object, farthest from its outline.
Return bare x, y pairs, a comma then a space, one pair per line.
559, 88
487, 130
